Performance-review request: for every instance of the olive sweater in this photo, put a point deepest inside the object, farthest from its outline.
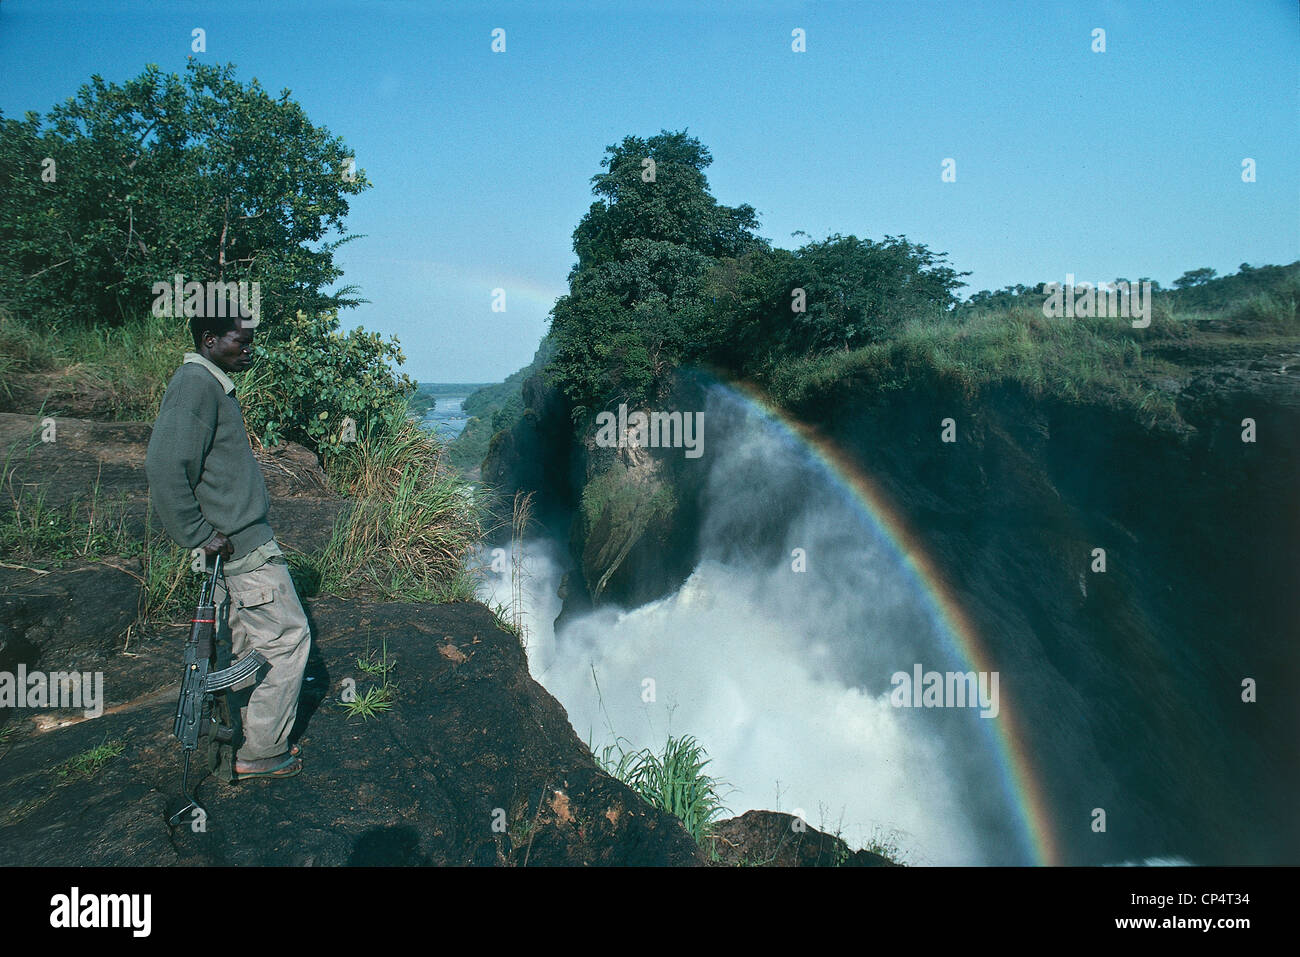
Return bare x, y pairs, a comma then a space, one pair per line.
203, 478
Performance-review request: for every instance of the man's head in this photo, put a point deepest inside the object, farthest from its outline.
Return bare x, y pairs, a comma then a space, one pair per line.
224, 341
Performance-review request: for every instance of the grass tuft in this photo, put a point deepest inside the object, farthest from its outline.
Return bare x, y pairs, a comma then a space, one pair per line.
88, 763
366, 706
674, 781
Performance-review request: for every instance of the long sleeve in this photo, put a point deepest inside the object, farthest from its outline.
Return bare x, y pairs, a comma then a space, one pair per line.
182, 437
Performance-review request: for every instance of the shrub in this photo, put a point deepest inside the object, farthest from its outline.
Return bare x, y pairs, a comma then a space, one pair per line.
308, 378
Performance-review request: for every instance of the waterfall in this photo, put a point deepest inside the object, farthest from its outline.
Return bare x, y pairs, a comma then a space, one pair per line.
783, 675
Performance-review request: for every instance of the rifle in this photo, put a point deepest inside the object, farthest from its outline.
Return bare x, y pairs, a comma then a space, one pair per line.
195, 708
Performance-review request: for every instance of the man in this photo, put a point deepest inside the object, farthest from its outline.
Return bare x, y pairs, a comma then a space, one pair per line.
209, 491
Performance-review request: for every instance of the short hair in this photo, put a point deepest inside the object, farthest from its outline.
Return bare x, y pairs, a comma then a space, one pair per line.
217, 325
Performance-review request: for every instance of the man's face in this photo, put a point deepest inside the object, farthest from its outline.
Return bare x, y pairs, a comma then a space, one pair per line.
230, 353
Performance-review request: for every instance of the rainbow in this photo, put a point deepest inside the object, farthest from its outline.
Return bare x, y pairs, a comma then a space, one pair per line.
472, 281
1006, 739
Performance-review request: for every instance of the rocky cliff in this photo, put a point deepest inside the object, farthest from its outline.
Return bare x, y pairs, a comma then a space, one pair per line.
1138, 669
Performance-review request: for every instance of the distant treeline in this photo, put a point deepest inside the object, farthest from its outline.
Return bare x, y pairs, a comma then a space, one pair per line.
1197, 289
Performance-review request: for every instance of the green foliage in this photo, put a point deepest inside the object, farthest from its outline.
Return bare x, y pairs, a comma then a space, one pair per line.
625, 324
636, 306
858, 291
1268, 312
119, 370
377, 666
493, 408
170, 585
1195, 277
673, 781
1097, 360
421, 403
200, 175
666, 277
468, 450
88, 763
377, 698
1198, 290
305, 382
675, 208
854, 291
204, 176
1273, 286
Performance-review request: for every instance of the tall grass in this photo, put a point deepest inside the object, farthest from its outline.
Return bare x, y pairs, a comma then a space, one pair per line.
673, 780
411, 523
123, 369
94, 527
519, 524
1101, 360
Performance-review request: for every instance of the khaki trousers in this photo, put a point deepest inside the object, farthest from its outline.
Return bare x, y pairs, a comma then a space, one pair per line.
262, 611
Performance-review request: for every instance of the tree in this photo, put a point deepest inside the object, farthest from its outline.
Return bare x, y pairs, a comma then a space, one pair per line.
1195, 277
636, 307
675, 206
857, 290
124, 186
200, 175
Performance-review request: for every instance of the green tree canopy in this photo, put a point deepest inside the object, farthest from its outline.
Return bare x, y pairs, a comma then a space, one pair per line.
858, 290
1195, 277
124, 186
667, 276
636, 306
674, 207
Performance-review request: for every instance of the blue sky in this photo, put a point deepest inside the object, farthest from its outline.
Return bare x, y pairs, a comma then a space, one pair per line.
1122, 163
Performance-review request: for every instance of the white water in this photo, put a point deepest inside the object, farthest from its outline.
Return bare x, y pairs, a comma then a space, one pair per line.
782, 676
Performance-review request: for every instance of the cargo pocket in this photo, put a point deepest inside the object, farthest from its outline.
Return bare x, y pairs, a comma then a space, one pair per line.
252, 597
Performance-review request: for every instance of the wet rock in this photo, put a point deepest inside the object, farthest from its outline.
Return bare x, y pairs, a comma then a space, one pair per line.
773, 839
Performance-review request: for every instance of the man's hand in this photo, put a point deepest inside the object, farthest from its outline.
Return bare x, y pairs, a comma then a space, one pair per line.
219, 545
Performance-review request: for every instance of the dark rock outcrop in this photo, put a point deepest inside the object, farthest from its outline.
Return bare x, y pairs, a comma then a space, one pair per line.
66, 619
474, 763
773, 839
